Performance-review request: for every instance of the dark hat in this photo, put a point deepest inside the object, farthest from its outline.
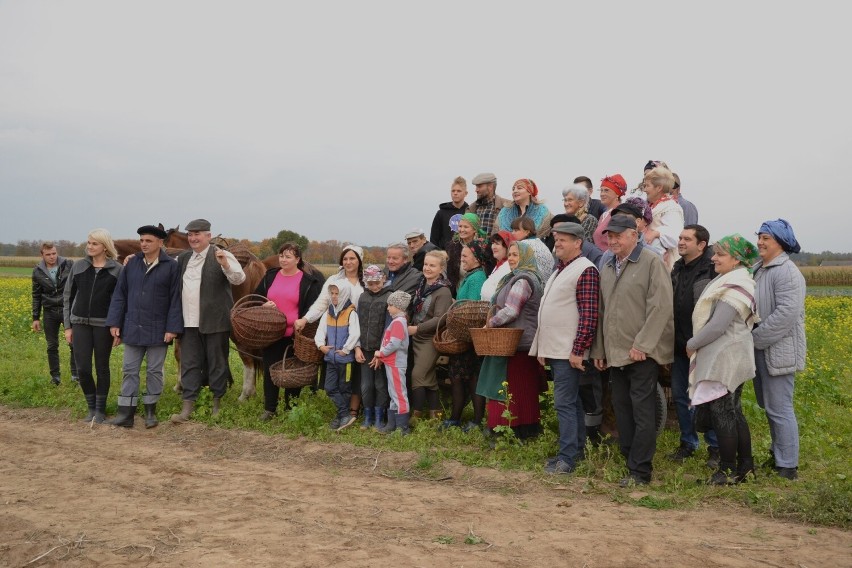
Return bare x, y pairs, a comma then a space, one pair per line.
484, 178
152, 230
620, 223
569, 229
198, 225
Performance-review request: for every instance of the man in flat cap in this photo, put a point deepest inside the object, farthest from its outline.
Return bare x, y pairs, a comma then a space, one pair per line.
418, 246
207, 273
488, 204
145, 314
567, 323
635, 334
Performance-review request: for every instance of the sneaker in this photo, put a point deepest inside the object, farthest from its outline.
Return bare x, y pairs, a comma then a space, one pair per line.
720, 477
791, 473
447, 424
680, 454
334, 424
55, 381
346, 422
713, 457
632, 481
560, 467
551, 461
470, 426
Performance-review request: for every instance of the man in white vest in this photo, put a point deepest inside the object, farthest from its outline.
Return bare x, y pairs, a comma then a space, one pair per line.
567, 323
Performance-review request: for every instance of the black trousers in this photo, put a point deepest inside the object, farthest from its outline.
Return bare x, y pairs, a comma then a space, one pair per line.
50, 322
634, 399
725, 416
91, 340
204, 355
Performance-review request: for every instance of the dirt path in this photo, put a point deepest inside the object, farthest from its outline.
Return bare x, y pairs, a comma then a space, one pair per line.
196, 496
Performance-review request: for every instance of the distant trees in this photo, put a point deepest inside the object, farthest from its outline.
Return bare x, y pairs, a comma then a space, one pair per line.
284, 236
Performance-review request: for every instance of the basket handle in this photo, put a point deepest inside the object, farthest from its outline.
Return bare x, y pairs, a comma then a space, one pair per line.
489, 314
284, 359
438, 327
250, 298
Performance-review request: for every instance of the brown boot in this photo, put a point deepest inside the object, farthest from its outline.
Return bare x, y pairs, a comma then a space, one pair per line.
188, 407
414, 416
436, 414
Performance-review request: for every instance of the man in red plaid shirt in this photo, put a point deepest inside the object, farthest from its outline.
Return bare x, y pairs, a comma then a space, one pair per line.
567, 323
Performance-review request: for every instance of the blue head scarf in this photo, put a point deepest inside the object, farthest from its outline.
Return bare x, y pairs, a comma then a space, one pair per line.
781, 231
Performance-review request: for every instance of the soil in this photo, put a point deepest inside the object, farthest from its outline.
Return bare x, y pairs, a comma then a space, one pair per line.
192, 495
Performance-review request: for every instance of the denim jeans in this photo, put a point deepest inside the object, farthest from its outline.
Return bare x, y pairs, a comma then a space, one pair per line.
338, 386
685, 414
569, 410
775, 395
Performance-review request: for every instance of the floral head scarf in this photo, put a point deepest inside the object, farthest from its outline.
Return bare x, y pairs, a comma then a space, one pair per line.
740, 248
481, 251
526, 266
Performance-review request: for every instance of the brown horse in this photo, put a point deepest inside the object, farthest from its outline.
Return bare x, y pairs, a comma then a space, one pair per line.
175, 242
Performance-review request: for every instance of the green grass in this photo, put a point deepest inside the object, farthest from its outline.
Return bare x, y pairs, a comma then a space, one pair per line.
823, 494
16, 271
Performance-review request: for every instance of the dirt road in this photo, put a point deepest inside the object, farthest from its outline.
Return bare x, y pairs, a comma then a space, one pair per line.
71, 495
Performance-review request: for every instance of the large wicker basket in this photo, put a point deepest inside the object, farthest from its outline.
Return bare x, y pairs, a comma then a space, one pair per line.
290, 373
303, 344
255, 325
496, 341
464, 315
444, 341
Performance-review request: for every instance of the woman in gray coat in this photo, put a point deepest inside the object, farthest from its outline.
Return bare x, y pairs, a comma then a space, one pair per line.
779, 339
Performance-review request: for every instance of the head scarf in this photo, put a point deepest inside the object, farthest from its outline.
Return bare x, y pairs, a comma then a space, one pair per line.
526, 267
616, 183
781, 231
528, 185
473, 219
740, 248
643, 206
481, 251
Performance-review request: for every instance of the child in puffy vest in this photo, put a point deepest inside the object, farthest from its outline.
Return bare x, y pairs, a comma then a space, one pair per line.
394, 355
336, 337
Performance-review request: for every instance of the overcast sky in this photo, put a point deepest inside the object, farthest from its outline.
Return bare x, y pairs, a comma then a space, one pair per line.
349, 120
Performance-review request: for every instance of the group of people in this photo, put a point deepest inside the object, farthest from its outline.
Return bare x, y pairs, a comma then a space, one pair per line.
609, 290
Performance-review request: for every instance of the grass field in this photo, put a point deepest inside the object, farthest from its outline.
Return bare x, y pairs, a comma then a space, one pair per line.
823, 495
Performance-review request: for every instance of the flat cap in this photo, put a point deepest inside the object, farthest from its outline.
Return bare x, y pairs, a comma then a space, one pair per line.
414, 233
620, 223
152, 230
484, 178
198, 225
569, 229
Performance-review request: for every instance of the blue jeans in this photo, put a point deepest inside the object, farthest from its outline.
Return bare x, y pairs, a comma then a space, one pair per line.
569, 410
338, 386
775, 396
685, 414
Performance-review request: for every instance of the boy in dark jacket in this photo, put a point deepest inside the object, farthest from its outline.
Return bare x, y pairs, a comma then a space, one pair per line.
49, 278
373, 318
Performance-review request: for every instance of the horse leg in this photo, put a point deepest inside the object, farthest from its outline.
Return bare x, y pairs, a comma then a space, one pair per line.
252, 369
178, 388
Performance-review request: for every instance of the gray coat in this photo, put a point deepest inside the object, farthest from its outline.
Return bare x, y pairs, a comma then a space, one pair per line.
780, 295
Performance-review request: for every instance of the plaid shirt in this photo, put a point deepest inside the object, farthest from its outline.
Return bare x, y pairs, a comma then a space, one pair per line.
588, 294
485, 212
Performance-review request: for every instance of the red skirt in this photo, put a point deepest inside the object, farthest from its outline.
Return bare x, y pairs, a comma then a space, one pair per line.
524, 376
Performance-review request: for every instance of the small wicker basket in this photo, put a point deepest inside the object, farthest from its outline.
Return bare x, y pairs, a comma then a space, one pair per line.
464, 315
496, 341
445, 343
304, 346
290, 373
255, 325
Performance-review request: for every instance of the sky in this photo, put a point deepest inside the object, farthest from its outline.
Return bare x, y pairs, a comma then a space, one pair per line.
349, 120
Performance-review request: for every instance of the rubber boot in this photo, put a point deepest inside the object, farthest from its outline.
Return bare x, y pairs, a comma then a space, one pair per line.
724, 475
124, 417
186, 411
402, 424
390, 426
90, 402
380, 417
593, 434
415, 415
745, 468
100, 408
368, 418
214, 412
151, 415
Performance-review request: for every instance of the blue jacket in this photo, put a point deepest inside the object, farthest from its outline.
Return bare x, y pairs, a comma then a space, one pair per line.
147, 304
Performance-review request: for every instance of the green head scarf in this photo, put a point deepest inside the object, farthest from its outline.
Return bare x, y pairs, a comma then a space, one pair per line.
740, 248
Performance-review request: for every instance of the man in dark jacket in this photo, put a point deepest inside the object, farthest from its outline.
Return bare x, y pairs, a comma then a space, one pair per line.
49, 278
441, 233
145, 314
690, 274
401, 275
418, 246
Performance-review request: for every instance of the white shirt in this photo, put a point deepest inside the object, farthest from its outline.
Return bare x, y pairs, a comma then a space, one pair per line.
191, 294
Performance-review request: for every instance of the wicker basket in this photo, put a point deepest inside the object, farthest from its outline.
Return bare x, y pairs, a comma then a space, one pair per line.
303, 344
242, 253
444, 341
256, 326
496, 341
290, 373
464, 315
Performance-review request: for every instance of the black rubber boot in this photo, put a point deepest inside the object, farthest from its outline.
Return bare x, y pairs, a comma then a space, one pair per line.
100, 409
402, 424
90, 402
124, 417
151, 415
390, 425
